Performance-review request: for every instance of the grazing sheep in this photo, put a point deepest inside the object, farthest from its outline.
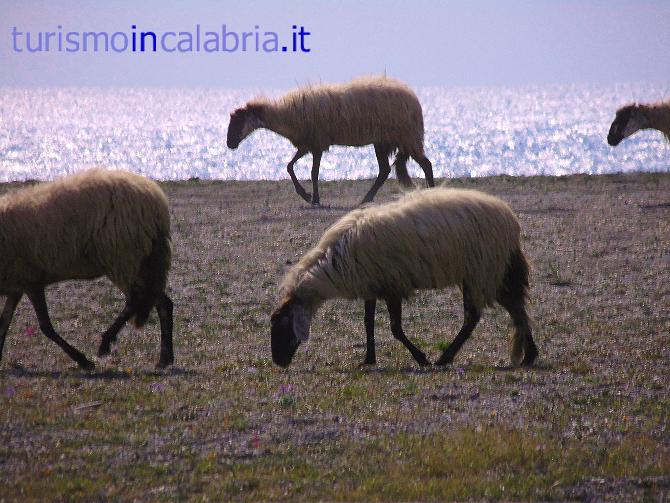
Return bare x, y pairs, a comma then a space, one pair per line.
631, 118
370, 110
426, 240
97, 223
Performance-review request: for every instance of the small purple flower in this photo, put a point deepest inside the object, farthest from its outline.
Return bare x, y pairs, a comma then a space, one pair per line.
255, 441
30, 332
11, 391
285, 389
157, 387
460, 371
252, 370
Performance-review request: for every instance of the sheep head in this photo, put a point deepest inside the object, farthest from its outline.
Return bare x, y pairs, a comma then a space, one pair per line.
628, 120
243, 122
289, 327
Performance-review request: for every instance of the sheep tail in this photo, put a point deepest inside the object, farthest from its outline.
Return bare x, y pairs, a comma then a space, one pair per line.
400, 166
516, 293
152, 281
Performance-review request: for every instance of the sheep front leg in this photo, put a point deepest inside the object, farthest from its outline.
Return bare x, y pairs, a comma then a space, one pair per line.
298, 188
6, 317
40, 305
316, 162
370, 307
394, 307
382, 152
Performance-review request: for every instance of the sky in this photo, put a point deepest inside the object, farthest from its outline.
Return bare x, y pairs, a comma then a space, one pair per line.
424, 42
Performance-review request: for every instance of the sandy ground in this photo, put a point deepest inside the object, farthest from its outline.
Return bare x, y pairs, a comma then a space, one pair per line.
600, 299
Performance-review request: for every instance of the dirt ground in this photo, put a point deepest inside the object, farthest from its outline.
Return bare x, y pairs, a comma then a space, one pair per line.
588, 422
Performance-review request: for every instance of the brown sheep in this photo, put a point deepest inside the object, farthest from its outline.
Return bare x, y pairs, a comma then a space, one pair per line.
96, 223
369, 110
631, 118
426, 240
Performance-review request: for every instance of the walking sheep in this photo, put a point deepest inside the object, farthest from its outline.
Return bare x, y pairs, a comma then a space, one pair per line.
631, 118
426, 240
370, 110
97, 223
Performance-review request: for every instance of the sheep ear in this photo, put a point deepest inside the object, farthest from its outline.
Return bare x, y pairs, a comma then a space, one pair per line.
302, 319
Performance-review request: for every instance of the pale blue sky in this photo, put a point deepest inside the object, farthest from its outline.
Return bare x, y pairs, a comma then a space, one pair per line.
449, 43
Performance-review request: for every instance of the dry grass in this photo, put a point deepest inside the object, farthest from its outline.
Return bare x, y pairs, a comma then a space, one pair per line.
590, 421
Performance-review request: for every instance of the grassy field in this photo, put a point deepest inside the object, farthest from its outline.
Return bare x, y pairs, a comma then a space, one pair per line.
588, 422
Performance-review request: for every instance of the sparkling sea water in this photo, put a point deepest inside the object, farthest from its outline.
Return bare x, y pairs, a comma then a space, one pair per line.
181, 133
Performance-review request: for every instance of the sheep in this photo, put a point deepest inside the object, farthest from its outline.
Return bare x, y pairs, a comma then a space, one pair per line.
369, 110
631, 118
426, 240
91, 224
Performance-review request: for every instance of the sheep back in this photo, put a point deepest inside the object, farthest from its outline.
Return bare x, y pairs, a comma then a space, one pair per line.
427, 239
364, 111
80, 227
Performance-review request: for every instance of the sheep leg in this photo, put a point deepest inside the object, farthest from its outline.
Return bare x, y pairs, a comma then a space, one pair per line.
382, 152
370, 307
164, 308
394, 307
512, 297
470, 319
400, 166
40, 305
522, 330
6, 317
298, 188
110, 334
316, 163
427, 168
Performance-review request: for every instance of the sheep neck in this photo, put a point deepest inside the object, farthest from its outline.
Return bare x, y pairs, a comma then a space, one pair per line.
277, 120
659, 118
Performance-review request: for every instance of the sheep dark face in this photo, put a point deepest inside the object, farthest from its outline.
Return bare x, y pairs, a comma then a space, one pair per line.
289, 327
243, 122
628, 120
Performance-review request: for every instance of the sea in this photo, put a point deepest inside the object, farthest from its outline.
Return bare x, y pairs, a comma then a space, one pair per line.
178, 134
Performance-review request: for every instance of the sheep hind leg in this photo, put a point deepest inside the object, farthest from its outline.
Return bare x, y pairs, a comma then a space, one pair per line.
164, 308
394, 307
370, 355
6, 317
471, 317
110, 334
512, 297
400, 166
298, 188
522, 336
40, 305
382, 152
316, 163
427, 168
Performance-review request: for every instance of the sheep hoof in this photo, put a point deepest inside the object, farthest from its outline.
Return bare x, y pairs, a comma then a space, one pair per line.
368, 361
164, 363
422, 360
442, 361
86, 365
527, 362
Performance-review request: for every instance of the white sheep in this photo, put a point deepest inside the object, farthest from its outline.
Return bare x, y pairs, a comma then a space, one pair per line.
632, 118
96, 223
426, 240
369, 110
